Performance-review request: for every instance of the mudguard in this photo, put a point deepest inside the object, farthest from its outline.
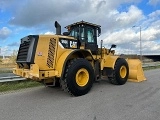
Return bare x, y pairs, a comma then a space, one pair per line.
62, 61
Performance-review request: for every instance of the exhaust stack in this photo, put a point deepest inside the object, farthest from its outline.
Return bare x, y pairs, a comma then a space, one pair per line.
58, 28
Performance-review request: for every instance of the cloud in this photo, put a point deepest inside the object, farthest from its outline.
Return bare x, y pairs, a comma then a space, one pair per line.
49, 33
128, 39
154, 2
130, 17
121, 31
4, 32
4, 50
154, 15
151, 34
116, 22
14, 44
122, 19
8, 5
34, 13
120, 37
7, 50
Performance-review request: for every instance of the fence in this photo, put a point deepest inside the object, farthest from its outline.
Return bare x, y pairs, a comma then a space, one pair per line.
11, 78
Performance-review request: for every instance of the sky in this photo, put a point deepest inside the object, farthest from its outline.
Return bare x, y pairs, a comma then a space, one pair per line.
116, 17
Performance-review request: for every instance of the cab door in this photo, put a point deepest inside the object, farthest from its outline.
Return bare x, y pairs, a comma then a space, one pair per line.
91, 40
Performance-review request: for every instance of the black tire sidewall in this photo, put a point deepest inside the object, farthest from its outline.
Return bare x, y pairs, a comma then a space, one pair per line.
119, 63
73, 87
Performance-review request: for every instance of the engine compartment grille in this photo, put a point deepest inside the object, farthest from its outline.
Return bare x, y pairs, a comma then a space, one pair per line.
26, 52
23, 51
51, 53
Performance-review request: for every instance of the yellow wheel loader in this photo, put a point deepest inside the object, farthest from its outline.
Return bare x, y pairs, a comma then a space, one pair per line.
73, 60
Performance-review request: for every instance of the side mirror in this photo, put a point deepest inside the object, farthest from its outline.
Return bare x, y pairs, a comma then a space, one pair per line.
112, 46
99, 31
66, 33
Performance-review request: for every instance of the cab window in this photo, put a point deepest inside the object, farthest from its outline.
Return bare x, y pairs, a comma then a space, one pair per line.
74, 33
82, 34
90, 33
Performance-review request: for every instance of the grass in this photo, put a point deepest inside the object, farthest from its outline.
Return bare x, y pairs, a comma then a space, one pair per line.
151, 67
17, 85
7, 68
7, 65
6, 71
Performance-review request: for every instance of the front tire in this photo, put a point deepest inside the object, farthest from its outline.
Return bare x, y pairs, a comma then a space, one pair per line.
79, 77
120, 72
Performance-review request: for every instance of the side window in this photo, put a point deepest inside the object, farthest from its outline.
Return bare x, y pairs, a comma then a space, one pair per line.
90, 37
74, 33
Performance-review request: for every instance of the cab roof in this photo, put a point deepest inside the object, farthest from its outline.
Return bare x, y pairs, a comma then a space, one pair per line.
83, 23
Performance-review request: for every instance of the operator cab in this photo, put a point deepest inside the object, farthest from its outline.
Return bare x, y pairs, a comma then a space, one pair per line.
86, 34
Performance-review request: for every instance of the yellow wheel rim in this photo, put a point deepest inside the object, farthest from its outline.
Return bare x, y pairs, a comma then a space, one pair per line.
82, 77
123, 72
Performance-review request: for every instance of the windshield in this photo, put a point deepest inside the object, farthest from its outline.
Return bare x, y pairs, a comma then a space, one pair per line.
76, 34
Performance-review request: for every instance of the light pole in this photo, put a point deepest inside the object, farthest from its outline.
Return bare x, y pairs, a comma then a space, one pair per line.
140, 42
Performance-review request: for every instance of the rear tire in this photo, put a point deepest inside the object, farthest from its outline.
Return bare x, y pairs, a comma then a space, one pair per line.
120, 72
79, 77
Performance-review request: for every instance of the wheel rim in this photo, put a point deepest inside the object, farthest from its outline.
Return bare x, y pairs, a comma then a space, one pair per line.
82, 77
123, 71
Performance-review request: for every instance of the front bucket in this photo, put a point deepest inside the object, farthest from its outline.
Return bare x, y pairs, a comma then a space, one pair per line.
136, 73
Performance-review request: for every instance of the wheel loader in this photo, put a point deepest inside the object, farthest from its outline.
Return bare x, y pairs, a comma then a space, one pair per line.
73, 60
